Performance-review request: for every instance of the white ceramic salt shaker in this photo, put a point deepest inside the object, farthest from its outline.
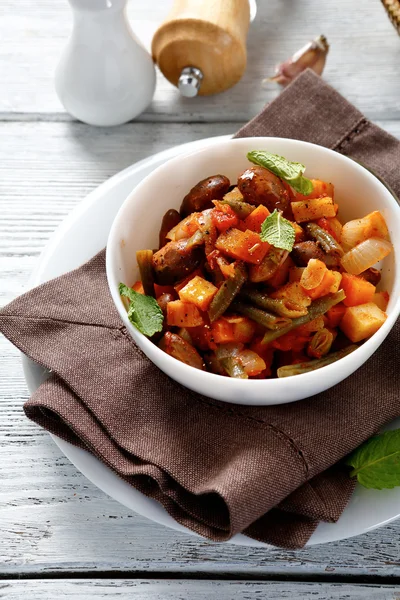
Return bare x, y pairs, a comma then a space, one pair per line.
105, 76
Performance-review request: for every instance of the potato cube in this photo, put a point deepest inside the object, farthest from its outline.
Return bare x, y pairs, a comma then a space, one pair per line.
362, 321
199, 292
310, 210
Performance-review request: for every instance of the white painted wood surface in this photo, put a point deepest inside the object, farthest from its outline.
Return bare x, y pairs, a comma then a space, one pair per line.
195, 590
53, 522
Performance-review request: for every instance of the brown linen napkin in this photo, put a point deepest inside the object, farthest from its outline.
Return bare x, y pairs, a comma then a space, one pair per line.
219, 469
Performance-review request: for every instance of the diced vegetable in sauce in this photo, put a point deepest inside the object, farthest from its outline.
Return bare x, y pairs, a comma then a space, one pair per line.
255, 280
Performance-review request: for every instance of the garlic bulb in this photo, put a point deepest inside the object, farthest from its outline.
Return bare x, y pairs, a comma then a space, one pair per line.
311, 56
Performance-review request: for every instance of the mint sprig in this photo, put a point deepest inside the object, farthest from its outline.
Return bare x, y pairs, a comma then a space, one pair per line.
291, 172
376, 463
278, 231
144, 312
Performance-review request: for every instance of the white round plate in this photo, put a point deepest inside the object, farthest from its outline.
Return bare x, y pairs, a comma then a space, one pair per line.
84, 233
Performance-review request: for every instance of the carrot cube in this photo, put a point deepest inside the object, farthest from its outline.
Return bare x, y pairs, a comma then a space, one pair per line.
257, 218
233, 329
199, 292
181, 284
138, 287
362, 321
183, 314
357, 290
242, 245
310, 210
334, 315
381, 299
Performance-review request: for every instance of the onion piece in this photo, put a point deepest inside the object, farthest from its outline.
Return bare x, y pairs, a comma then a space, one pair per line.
251, 362
356, 231
365, 255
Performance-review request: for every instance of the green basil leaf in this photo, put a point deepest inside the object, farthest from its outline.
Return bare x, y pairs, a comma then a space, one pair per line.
291, 172
144, 312
376, 463
278, 231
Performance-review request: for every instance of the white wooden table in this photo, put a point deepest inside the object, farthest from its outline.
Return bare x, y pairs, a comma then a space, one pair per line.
59, 535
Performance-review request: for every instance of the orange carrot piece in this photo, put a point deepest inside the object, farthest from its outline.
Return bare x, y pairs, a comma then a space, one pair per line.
357, 290
334, 315
181, 284
257, 218
183, 314
138, 287
291, 341
246, 246
199, 292
233, 329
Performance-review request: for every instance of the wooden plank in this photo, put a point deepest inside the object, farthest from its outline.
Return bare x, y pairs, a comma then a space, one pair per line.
142, 589
363, 61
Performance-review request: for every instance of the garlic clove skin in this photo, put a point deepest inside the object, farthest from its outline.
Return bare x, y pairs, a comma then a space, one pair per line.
311, 56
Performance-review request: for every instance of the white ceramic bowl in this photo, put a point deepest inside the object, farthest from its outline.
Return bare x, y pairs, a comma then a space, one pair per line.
137, 225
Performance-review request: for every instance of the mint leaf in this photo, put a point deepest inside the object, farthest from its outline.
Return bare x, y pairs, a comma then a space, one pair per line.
291, 172
376, 463
278, 231
144, 312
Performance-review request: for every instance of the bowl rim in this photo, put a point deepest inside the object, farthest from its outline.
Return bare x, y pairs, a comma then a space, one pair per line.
273, 385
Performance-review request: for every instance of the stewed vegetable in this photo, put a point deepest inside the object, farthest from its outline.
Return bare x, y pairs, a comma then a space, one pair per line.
261, 279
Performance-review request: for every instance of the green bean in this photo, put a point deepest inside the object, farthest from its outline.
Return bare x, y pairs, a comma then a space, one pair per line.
327, 241
321, 343
233, 367
242, 209
145, 263
316, 309
282, 306
312, 365
227, 357
227, 292
268, 320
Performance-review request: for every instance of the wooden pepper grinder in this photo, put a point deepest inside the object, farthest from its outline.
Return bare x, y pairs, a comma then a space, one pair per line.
201, 47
